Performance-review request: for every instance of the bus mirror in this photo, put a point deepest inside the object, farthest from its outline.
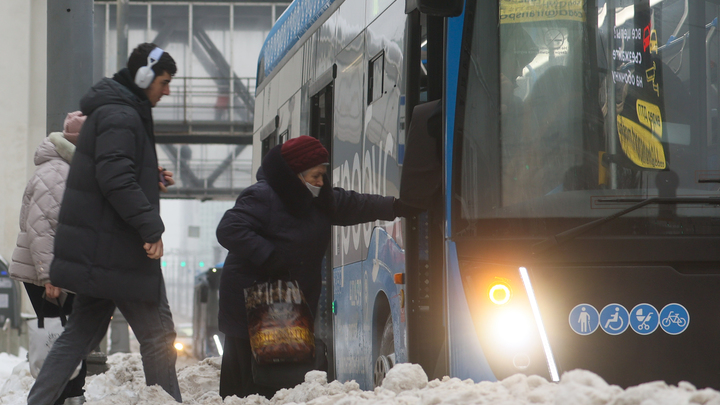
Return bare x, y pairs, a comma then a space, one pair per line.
437, 8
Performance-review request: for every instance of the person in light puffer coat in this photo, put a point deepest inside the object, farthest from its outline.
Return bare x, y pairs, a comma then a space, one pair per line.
38, 221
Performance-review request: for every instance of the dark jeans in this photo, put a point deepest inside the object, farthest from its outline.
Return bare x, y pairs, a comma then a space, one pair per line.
153, 327
236, 371
74, 387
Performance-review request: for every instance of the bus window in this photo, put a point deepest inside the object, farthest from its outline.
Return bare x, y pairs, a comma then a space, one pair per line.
596, 99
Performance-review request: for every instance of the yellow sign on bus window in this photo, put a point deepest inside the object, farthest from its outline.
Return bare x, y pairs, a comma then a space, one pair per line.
639, 144
649, 115
520, 11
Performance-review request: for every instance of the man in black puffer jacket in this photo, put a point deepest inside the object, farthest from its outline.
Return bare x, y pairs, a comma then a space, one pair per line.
108, 241
280, 228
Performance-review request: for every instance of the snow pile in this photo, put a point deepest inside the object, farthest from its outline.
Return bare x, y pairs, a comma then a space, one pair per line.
405, 384
18, 383
8, 363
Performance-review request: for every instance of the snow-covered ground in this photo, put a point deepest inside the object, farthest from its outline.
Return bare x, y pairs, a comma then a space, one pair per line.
406, 384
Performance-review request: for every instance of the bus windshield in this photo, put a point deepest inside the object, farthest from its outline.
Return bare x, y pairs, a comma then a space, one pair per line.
601, 103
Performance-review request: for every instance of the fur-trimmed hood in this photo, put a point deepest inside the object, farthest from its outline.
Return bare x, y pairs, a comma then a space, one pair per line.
290, 188
53, 147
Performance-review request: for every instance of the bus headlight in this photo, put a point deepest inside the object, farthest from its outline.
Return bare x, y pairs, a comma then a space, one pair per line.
499, 292
512, 328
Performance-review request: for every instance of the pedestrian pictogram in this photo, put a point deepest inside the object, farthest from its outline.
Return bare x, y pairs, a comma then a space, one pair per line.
614, 319
674, 319
584, 319
644, 319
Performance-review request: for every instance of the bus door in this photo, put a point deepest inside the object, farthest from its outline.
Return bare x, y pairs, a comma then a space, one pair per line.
321, 127
421, 186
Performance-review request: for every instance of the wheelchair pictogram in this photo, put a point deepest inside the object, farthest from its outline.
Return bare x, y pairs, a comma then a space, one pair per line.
614, 319
674, 319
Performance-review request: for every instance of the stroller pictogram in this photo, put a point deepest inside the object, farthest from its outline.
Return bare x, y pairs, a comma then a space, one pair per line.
643, 319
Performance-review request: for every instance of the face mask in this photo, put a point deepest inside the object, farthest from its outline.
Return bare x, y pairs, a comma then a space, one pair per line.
313, 189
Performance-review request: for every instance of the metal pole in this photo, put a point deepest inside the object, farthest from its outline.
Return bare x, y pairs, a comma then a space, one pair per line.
231, 75
99, 45
122, 33
188, 61
119, 333
611, 117
69, 57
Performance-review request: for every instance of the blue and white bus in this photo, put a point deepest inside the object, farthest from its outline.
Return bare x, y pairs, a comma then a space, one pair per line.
567, 154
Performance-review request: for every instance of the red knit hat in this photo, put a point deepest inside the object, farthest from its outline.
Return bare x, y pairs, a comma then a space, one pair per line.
304, 152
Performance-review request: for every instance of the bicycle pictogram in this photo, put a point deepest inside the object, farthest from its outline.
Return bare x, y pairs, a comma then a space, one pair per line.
674, 318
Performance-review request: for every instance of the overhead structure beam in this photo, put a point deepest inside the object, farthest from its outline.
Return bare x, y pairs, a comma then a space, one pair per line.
224, 165
192, 185
223, 67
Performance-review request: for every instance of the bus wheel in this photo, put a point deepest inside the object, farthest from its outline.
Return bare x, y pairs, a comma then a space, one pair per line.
386, 355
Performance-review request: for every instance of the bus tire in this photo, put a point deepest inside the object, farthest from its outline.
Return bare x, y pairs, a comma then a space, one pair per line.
386, 354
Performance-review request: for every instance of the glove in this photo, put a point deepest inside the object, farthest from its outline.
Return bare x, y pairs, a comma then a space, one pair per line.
275, 267
402, 209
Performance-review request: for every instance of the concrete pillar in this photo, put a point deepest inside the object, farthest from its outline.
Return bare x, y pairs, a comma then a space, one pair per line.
69, 57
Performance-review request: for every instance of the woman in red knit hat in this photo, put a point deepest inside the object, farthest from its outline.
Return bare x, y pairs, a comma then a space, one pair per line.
279, 229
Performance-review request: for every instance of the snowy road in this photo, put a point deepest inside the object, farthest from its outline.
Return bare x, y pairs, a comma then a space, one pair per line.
406, 384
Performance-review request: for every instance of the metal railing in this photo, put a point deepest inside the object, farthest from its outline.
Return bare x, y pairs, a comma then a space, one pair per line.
205, 100
206, 178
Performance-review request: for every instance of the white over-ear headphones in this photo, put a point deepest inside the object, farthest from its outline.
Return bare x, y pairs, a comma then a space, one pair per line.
145, 75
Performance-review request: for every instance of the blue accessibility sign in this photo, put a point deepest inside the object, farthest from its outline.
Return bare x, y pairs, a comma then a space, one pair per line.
644, 319
614, 319
584, 319
674, 319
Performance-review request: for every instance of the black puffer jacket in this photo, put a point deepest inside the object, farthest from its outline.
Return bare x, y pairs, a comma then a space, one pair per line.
111, 203
278, 213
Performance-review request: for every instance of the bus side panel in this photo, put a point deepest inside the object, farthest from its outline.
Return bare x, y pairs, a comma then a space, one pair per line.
351, 21
348, 144
357, 289
327, 46
385, 43
351, 337
257, 142
385, 259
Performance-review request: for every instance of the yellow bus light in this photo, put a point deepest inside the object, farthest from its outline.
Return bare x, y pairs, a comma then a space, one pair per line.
499, 294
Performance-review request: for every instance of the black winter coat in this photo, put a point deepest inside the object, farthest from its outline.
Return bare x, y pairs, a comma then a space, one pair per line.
111, 205
278, 213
